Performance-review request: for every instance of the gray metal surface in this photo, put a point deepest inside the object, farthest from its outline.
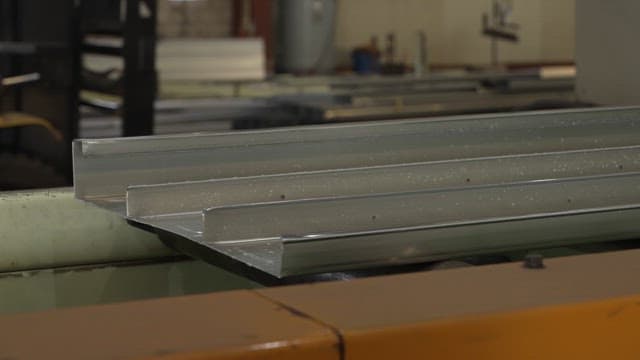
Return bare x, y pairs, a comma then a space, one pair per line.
368, 213
104, 168
193, 196
381, 98
422, 99
307, 236
181, 116
330, 198
386, 108
354, 82
543, 79
296, 255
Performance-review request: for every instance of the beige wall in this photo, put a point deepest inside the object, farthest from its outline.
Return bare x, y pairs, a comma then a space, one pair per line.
608, 55
465, 42
358, 20
194, 19
453, 29
558, 29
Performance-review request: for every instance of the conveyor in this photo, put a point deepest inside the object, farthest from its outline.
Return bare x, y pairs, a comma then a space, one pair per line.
302, 201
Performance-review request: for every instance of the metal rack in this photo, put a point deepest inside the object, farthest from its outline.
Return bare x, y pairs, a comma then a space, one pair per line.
40, 37
48, 39
130, 31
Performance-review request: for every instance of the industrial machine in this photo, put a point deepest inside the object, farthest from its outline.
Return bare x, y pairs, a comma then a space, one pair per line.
512, 234
50, 40
344, 202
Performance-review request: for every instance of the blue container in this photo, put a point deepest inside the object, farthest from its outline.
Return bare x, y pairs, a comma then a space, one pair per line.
365, 62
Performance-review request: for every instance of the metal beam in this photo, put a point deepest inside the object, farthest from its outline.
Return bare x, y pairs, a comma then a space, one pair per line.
440, 208
347, 232
305, 236
193, 196
332, 198
104, 168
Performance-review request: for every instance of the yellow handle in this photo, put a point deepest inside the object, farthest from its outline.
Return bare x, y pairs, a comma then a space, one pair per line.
13, 119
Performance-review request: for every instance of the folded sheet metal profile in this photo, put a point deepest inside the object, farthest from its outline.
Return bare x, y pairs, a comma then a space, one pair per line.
331, 198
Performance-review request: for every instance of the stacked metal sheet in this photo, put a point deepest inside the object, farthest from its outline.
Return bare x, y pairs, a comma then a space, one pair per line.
331, 198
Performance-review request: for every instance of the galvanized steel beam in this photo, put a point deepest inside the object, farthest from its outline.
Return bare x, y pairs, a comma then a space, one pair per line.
396, 228
103, 169
193, 196
315, 199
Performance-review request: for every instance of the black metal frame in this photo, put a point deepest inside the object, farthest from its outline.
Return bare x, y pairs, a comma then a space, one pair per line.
48, 37
137, 30
48, 31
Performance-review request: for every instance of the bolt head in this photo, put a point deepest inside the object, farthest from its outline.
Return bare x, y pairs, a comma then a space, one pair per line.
533, 261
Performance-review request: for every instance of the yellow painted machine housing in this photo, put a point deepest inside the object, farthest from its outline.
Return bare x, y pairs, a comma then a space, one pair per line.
584, 307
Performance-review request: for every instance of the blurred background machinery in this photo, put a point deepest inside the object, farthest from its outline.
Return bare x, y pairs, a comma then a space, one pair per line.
100, 74
51, 40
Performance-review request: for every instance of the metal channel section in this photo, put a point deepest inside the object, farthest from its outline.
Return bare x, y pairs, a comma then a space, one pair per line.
374, 230
331, 198
104, 168
381, 229
146, 201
